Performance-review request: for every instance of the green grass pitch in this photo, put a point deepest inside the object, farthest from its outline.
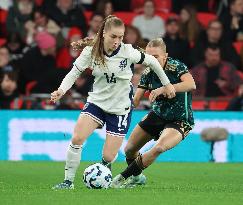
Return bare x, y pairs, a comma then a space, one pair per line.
168, 183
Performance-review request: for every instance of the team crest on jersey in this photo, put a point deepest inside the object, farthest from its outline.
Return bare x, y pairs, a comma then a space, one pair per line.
123, 64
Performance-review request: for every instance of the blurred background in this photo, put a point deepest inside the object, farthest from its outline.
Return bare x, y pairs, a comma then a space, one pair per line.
35, 55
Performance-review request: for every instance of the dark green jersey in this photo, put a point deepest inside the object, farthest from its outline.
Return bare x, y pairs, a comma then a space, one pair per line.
177, 108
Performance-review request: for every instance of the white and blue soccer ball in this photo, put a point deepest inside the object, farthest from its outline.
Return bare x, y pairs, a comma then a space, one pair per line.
97, 176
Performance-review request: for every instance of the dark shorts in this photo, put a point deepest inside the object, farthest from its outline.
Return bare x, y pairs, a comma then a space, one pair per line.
154, 125
116, 125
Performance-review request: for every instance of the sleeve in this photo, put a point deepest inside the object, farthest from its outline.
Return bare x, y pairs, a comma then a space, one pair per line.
143, 83
150, 61
80, 64
181, 70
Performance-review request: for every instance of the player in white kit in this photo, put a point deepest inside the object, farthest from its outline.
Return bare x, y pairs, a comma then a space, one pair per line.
110, 101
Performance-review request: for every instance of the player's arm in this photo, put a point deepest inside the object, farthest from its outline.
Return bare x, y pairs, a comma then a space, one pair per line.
187, 83
138, 96
80, 64
150, 61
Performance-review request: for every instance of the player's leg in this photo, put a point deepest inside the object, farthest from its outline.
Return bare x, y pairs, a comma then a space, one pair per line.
86, 124
111, 149
116, 129
168, 139
151, 125
138, 138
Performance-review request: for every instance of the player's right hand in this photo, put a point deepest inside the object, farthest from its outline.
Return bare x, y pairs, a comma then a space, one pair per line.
169, 91
56, 95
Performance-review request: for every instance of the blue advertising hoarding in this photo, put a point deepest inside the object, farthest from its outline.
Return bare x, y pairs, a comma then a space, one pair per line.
44, 135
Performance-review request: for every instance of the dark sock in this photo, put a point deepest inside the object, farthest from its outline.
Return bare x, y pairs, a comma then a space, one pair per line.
135, 168
129, 161
107, 164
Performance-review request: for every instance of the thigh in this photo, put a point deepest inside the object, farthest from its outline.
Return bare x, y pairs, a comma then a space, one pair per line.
83, 129
153, 125
169, 138
95, 113
183, 127
137, 139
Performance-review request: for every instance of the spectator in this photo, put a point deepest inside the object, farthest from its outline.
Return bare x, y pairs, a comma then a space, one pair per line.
66, 16
214, 36
190, 27
133, 36
38, 64
236, 104
16, 47
95, 22
40, 23
18, 15
177, 47
233, 21
4, 59
214, 77
105, 7
67, 55
149, 25
8, 91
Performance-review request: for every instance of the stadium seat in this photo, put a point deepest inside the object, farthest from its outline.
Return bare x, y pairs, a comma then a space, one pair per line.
204, 18
2, 41
199, 104
218, 104
165, 16
29, 86
240, 73
127, 17
88, 15
3, 16
238, 46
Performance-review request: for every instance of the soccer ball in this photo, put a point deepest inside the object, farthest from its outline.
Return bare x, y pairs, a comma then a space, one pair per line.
97, 176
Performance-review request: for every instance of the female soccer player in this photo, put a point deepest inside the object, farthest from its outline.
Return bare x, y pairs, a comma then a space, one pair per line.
111, 99
169, 121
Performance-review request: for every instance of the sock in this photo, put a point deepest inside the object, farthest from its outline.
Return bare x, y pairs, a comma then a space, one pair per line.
135, 168
72, 161
130, 160
107, 164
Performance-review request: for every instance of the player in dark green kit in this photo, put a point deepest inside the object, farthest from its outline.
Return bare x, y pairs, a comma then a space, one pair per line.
169, 121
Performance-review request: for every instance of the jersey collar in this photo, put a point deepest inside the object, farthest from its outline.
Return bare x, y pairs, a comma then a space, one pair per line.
114, 52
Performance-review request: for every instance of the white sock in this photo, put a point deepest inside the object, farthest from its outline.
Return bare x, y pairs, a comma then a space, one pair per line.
72, 161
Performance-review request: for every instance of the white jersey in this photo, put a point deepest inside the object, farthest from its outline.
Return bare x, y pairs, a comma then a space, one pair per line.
112, 88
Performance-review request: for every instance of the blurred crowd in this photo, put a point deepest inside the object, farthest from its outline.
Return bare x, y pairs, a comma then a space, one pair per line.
35, 52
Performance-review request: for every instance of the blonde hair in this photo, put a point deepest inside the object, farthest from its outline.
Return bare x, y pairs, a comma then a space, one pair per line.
97, 52
158, 42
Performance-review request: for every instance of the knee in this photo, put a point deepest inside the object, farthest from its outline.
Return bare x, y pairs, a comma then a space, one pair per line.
129, 151
77, 138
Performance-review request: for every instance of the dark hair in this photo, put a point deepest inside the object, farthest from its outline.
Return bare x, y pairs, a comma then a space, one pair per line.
40, 10
12, 75
96, 14
213, 46
215, 21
